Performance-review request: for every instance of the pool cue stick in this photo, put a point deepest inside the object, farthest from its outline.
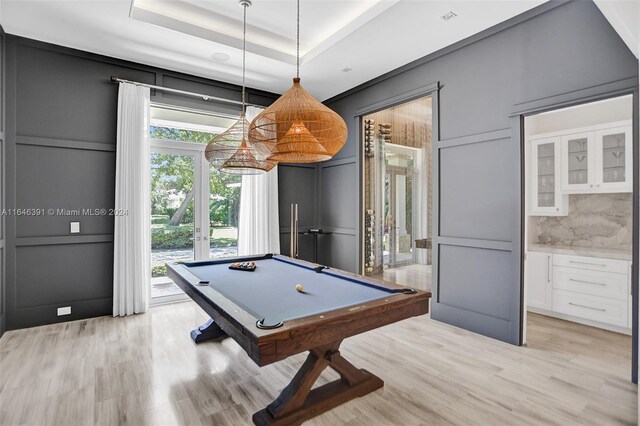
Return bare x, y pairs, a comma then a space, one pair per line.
294, 231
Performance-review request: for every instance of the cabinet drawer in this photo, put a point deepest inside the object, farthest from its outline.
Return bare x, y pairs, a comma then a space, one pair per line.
593, 308
591, 263
594, 283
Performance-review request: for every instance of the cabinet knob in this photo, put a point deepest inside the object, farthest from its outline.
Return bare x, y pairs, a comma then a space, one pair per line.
591, 185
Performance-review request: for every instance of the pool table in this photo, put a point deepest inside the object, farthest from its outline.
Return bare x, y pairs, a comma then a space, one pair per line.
271, 320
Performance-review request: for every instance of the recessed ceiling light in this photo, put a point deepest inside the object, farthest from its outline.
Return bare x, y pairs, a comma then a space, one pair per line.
347, 69
220, 57
448, 16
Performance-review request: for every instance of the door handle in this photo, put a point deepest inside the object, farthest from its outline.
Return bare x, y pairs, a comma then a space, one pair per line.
588, 307
588, 263
549, 268
586, 282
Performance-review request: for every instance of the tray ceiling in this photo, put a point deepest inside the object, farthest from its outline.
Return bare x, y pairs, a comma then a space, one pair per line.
367, 37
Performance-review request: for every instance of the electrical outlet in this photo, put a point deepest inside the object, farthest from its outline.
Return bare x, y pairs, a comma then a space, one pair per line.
74, 227
65, 310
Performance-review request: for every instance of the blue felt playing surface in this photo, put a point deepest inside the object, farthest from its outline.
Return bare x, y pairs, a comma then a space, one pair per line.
269, 292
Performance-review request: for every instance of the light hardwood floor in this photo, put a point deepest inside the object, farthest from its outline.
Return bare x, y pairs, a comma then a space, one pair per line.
145, 370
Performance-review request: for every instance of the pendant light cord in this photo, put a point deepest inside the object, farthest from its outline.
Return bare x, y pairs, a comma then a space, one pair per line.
298, 43
244, 54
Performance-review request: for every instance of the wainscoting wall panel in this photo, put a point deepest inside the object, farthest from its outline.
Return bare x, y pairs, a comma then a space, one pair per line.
337, 195
53, 184
479, 192
338, 250
53, 282
487, 294
60, 154
69, 97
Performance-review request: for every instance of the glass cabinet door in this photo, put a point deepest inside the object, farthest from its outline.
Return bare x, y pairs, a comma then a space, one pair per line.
545, 184
577, 163
614, 160
546, 175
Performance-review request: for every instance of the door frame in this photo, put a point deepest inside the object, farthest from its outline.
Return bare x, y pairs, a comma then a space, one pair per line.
428, 90
598, 93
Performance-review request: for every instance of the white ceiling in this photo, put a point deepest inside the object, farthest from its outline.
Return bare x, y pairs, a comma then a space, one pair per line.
369, 36
624, 17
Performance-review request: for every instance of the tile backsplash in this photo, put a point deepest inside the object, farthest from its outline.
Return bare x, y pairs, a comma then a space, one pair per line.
594, 220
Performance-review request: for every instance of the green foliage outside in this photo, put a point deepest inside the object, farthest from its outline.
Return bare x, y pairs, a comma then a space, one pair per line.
173, 175
165, 237
159, 270
171, 237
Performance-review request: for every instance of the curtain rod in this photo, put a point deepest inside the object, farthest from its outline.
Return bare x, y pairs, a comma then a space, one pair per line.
182, 92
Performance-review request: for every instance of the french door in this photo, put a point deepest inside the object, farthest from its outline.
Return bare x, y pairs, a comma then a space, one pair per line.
179, 212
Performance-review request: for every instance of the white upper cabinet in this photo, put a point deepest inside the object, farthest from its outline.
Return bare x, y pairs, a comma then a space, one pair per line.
614, 160
589, 160
578, 163
546, 197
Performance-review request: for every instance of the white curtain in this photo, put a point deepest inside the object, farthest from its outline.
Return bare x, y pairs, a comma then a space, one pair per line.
132, 235
258, 224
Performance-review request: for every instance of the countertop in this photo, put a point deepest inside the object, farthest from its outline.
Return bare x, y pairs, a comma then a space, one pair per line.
583, 251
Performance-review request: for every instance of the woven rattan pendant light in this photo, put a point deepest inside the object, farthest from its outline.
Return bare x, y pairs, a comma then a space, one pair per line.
231, 151
297, 128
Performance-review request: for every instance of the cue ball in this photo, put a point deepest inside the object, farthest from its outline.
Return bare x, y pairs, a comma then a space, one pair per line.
299, 287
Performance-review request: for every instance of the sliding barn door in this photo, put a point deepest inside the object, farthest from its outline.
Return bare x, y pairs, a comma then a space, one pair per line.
476, 281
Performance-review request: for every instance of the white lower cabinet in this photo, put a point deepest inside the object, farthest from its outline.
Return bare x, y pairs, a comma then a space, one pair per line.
538, 280
593, 308
594, 283
580, 288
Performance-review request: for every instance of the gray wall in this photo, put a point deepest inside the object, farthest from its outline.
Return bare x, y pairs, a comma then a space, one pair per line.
556, 52
306, 184
60, 153
297, 184
2, 121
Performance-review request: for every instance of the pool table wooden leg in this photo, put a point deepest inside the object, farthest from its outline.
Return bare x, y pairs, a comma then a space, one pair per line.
297, 402
207, 331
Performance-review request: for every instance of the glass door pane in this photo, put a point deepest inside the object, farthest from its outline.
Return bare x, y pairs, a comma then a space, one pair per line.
613, 158
224, 208
399, 206
172, 217
388, 231
404, 219
546, 174
578, 161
